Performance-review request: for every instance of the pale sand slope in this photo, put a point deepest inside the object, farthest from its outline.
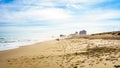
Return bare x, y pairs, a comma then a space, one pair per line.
67, 53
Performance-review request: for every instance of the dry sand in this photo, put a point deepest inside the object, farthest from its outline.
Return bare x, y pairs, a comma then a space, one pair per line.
65, 53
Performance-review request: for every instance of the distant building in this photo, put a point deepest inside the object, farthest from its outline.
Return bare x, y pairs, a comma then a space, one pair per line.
83, 33
74, 34
61, 35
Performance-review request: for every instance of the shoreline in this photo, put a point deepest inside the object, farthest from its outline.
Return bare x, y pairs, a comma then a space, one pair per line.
27, 44
66, 53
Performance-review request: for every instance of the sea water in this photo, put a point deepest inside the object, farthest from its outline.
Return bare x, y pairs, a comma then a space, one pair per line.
15, 40
12, 39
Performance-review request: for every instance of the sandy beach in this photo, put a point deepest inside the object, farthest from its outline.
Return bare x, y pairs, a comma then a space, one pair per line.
59, 33
65, 53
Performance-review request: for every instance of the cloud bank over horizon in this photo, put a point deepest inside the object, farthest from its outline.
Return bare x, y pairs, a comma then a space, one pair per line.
64, 16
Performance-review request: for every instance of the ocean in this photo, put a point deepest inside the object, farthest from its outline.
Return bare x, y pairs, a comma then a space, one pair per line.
14, 38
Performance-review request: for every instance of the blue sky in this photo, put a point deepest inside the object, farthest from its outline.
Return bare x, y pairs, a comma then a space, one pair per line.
64, 16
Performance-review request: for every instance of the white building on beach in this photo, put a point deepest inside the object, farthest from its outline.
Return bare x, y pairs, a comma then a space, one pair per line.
83, 33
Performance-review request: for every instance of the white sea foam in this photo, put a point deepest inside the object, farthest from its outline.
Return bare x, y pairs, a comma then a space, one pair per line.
15, 41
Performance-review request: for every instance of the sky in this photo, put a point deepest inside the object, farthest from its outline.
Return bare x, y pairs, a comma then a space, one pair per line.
56, 17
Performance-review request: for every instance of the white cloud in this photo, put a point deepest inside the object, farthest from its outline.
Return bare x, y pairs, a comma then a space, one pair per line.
53, 14
87, 1
96, 15
47, 10
82, 4
37, 14
48, 4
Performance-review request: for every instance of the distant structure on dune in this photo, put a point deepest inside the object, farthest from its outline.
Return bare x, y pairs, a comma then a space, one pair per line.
61, 35
74, 34
83, 33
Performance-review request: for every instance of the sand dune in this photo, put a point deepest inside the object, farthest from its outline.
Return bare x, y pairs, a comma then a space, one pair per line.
65, 53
